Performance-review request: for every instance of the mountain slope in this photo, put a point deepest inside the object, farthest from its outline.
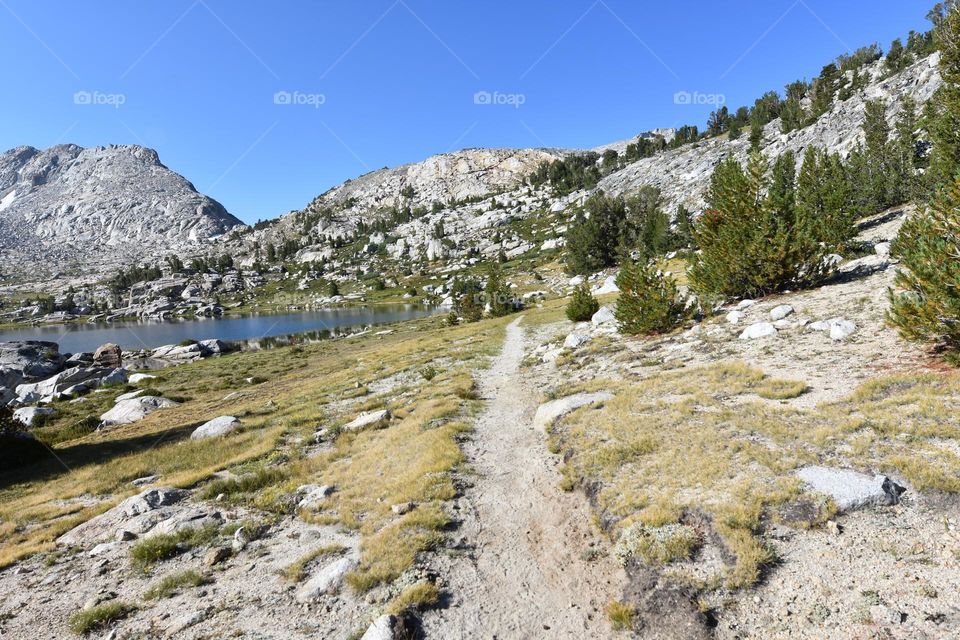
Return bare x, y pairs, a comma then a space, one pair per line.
97, 208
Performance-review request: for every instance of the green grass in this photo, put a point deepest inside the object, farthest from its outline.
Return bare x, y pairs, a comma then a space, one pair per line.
163, 546
98, 618
174, 583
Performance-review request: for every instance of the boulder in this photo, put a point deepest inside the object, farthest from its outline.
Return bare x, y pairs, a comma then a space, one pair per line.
10, 378
50, 387
841, 329
575, 341
838, 328
780, 312
851, 489
734, 317
745, 304
328, 579
603, 316
609, 286
129, 396
137, 514
28, 415
135, 409
108, 355
213, 347
6, 396
217, 427
549, 412
369, 420
115, 377
759, 330
310, 495
31, 358
185, 520
390, 627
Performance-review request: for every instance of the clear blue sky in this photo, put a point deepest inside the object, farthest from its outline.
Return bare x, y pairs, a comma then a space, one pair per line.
197, 79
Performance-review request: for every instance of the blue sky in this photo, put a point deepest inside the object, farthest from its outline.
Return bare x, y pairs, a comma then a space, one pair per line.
374, 83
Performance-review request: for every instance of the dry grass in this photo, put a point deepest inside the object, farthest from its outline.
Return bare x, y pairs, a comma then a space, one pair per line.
622, 616
174, 583
418, 596
695, 441
309, 386
297, 571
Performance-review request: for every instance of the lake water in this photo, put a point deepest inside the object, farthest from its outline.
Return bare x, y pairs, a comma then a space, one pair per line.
132, 334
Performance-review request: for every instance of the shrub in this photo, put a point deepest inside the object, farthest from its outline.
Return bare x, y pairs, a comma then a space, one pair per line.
582, 305
926, 306
174, 582
622, 616
96, 618
750, 242
187, 342
649, 302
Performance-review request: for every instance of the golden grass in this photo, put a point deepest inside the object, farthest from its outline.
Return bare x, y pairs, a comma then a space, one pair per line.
297, 571
622, 616
418, 596
309, 386
695, 441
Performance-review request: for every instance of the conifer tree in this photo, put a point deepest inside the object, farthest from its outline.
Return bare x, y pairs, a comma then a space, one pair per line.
926, 304
750, 243
649, 302
944, 127
823, 200
582, 304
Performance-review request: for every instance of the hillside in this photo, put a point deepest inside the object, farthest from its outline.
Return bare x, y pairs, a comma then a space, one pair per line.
71, 209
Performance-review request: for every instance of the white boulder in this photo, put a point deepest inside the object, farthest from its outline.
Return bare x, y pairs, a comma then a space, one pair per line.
780, 312
549, 412
217, 427
758, 330
369, 420
603, 316
328, 579
135, 409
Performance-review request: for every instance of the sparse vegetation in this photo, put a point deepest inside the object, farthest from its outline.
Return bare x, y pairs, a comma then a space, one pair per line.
99, 617
175, 582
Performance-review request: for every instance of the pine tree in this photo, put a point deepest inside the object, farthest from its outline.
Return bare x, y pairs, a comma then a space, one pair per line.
823, 200
582, 305
649, 302
944, 127
756, 134
750, 243
926, 305
496, 292
594, 236
904, 181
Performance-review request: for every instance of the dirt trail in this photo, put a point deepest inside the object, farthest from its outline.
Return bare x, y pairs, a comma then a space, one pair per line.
522, 575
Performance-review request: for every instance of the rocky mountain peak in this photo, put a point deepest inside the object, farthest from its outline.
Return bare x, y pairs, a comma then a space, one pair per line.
99, 208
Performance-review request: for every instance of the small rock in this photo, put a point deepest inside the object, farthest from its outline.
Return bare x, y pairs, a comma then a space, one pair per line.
780, 312
604, 315
215, 428
369, 419
240, 540
310, 495
328, 579
216, 556
125, 536
745, 304
403, 507
734, 317
882, 249
139, 377
759, 330
841, 329
850, 489
550, 412
575, 341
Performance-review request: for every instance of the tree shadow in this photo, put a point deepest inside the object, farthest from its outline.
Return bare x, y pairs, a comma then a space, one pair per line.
60, 461
870, 223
